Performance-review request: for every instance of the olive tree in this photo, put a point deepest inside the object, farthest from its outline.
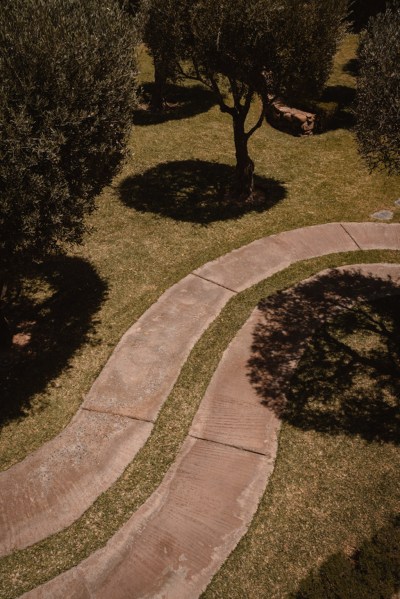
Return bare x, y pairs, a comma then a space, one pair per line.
67, 90
378, 91
258, 47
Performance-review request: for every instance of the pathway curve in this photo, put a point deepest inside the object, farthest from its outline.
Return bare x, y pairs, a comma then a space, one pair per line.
173, 545
53, 486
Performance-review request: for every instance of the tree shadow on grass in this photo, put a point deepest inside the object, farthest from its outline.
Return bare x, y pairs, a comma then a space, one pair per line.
195, 191
51, 317
326, 356
372, 571
339, 101
183, 102
352, 67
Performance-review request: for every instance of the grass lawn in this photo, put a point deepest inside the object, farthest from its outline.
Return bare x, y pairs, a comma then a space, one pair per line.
157, 222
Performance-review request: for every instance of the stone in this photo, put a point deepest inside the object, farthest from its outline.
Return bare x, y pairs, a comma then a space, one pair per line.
383, 215
290, 120
179, 538
231, 412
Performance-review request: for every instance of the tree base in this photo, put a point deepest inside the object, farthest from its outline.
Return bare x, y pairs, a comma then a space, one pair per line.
256, 199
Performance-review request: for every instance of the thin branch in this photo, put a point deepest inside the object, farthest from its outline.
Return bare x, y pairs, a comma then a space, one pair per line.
258, 123
196, 77
249, 96
235, 93
222, 105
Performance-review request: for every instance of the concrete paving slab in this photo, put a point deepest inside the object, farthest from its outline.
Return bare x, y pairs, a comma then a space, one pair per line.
257, 261
143, 368
173, 545
246, 266
315, 241
231, 412
370, 236
381, 270
53, 486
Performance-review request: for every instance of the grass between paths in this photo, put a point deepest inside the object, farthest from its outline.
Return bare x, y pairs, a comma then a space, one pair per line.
325, 493
159, 220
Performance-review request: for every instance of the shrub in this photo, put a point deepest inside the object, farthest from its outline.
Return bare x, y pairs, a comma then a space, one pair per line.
378, 93
67, 89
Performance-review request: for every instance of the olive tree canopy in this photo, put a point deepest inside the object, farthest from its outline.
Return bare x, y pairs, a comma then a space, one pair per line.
378, 92
67, 90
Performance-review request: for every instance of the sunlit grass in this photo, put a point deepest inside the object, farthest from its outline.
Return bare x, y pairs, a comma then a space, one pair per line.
312, 509
28, 568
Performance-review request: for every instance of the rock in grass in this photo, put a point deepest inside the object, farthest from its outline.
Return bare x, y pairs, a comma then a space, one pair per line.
383, 215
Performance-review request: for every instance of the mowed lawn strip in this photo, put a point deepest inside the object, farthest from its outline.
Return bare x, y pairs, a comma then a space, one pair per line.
26, 569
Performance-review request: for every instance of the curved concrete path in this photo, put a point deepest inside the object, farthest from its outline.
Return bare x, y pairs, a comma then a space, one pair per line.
173, 545
53, 486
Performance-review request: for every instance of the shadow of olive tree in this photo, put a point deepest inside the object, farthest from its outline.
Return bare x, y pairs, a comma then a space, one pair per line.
51, 316
326, 355
195, 191
372, 571
183, 102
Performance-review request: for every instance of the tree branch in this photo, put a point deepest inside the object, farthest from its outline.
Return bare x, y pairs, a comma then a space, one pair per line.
196, 77
249, 96
258, 123
220, 99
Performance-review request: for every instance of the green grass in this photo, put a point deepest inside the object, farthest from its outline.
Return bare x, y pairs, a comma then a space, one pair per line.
141, 244
28, 568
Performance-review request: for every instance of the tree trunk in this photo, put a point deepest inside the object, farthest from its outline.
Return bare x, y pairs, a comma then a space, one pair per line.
244, 164
5, 331
158, 102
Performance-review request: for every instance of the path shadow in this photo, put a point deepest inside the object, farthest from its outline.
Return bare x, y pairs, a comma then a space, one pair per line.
372, 571
326, 356
184, 102
51, 318
194, 191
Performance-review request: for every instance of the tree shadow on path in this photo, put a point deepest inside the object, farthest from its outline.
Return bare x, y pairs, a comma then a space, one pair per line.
326, 356
51, 318
183, 102
195, 191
